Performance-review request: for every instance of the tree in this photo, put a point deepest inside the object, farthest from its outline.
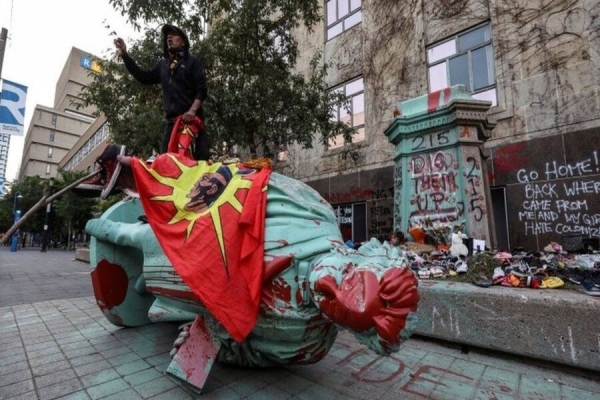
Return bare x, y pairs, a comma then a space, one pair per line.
72, 211
31, 189
256, 99
69, 213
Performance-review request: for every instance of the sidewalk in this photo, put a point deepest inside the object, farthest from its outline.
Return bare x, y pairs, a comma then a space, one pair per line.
65, 347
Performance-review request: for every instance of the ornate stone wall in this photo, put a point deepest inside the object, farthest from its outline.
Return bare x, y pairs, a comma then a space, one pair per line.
547, 70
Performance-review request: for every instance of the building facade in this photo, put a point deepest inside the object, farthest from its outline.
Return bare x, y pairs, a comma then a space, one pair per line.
538, 66
89, 146
54, 131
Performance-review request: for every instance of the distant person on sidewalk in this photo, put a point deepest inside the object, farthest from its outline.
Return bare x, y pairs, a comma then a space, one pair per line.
183, 84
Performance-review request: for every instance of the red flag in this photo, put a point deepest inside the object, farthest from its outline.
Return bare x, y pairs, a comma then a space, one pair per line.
183, 136
209, 221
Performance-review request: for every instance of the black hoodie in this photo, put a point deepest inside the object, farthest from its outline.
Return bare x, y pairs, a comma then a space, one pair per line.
180, 86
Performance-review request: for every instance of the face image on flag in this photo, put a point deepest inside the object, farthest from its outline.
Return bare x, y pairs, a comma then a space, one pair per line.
209, 220
12, 108
208, 188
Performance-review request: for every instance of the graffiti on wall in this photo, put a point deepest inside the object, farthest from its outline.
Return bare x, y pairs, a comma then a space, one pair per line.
474, 189
398, 198
566, 207
381, 213
380, 210
434, 186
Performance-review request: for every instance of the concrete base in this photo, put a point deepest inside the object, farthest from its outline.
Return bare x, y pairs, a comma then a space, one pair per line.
82, 255
555, 325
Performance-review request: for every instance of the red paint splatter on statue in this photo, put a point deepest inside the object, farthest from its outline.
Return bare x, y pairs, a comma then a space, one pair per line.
176, 294
276, 295
275, 265
110, 284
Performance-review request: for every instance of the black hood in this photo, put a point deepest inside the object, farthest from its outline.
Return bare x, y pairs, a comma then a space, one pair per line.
170, 28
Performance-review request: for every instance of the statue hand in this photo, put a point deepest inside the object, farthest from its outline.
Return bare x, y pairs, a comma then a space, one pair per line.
354, 303
181, 338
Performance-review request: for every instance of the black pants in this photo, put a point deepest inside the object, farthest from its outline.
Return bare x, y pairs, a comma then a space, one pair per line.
201, 149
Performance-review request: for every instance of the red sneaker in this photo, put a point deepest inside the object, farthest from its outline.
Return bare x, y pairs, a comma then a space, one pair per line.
126, 182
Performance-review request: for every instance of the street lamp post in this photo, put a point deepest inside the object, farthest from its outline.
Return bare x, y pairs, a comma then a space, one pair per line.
47, 218
14, 244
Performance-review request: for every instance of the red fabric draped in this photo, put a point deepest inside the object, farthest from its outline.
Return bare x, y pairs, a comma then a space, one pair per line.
216, 244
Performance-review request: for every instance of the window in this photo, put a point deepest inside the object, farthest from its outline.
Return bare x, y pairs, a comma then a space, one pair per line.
342, 15
354, 116
49, 152
465, 59
52, 133
48, 166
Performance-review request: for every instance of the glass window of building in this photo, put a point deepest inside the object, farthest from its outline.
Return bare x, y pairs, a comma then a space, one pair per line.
52, 134
464, 59
50, 150
354, 115
341, 15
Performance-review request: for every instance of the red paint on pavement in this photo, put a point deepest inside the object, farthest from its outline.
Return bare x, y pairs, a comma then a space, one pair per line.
429, 369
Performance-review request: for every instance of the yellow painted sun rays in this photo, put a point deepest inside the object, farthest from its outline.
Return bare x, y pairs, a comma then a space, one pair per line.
184, 184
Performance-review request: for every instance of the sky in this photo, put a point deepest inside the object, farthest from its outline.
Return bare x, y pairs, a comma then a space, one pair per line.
41, 34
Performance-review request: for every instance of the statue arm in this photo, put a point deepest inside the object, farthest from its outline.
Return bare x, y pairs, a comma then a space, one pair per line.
119, 233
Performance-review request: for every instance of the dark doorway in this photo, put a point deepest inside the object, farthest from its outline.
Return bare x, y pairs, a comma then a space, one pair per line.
352, 219
500, 217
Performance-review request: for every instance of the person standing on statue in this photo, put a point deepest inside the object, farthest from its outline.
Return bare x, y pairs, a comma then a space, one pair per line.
183, 84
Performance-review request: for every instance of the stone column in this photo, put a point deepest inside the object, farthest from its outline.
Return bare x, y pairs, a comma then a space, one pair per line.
440, 170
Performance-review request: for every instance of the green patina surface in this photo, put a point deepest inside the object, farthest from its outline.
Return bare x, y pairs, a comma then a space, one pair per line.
292, 327
439, 170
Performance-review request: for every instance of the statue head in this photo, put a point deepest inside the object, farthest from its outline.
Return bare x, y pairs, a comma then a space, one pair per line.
369, 291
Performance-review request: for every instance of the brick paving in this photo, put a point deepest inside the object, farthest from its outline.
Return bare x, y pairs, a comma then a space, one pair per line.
55, 343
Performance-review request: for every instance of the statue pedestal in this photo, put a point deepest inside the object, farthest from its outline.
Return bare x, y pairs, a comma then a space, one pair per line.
440, 174
196, 355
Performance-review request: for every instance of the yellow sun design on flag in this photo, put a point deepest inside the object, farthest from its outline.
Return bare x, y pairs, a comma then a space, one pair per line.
186, 182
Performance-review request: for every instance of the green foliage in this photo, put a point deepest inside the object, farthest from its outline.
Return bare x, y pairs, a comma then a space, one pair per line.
69, 213
133, 111
31, 188
72, 211
256, 98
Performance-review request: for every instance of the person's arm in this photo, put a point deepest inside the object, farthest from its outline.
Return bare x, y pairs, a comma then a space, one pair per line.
199, 81
145, 77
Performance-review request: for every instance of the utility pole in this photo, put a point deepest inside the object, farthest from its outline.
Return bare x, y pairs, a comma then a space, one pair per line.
3, 37
47, 217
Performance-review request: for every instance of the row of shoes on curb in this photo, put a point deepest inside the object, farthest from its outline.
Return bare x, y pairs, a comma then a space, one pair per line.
549, 269
537, 270
437, 265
